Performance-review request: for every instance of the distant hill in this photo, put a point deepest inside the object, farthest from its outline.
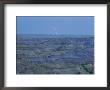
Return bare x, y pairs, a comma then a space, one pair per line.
54, 36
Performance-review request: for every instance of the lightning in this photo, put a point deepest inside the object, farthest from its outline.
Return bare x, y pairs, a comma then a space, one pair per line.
55, 30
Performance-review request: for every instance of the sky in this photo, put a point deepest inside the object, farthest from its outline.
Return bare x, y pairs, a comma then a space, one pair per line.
55, 25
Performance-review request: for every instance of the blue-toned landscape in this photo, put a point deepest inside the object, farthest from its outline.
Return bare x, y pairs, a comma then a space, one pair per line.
65, 49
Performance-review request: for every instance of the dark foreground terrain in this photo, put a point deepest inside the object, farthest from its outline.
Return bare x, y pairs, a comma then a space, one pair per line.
54, 55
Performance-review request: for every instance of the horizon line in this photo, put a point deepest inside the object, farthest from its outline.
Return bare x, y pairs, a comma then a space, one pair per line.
50, 34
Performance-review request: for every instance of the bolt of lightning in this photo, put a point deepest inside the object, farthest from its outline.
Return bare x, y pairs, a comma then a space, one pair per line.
55, 31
